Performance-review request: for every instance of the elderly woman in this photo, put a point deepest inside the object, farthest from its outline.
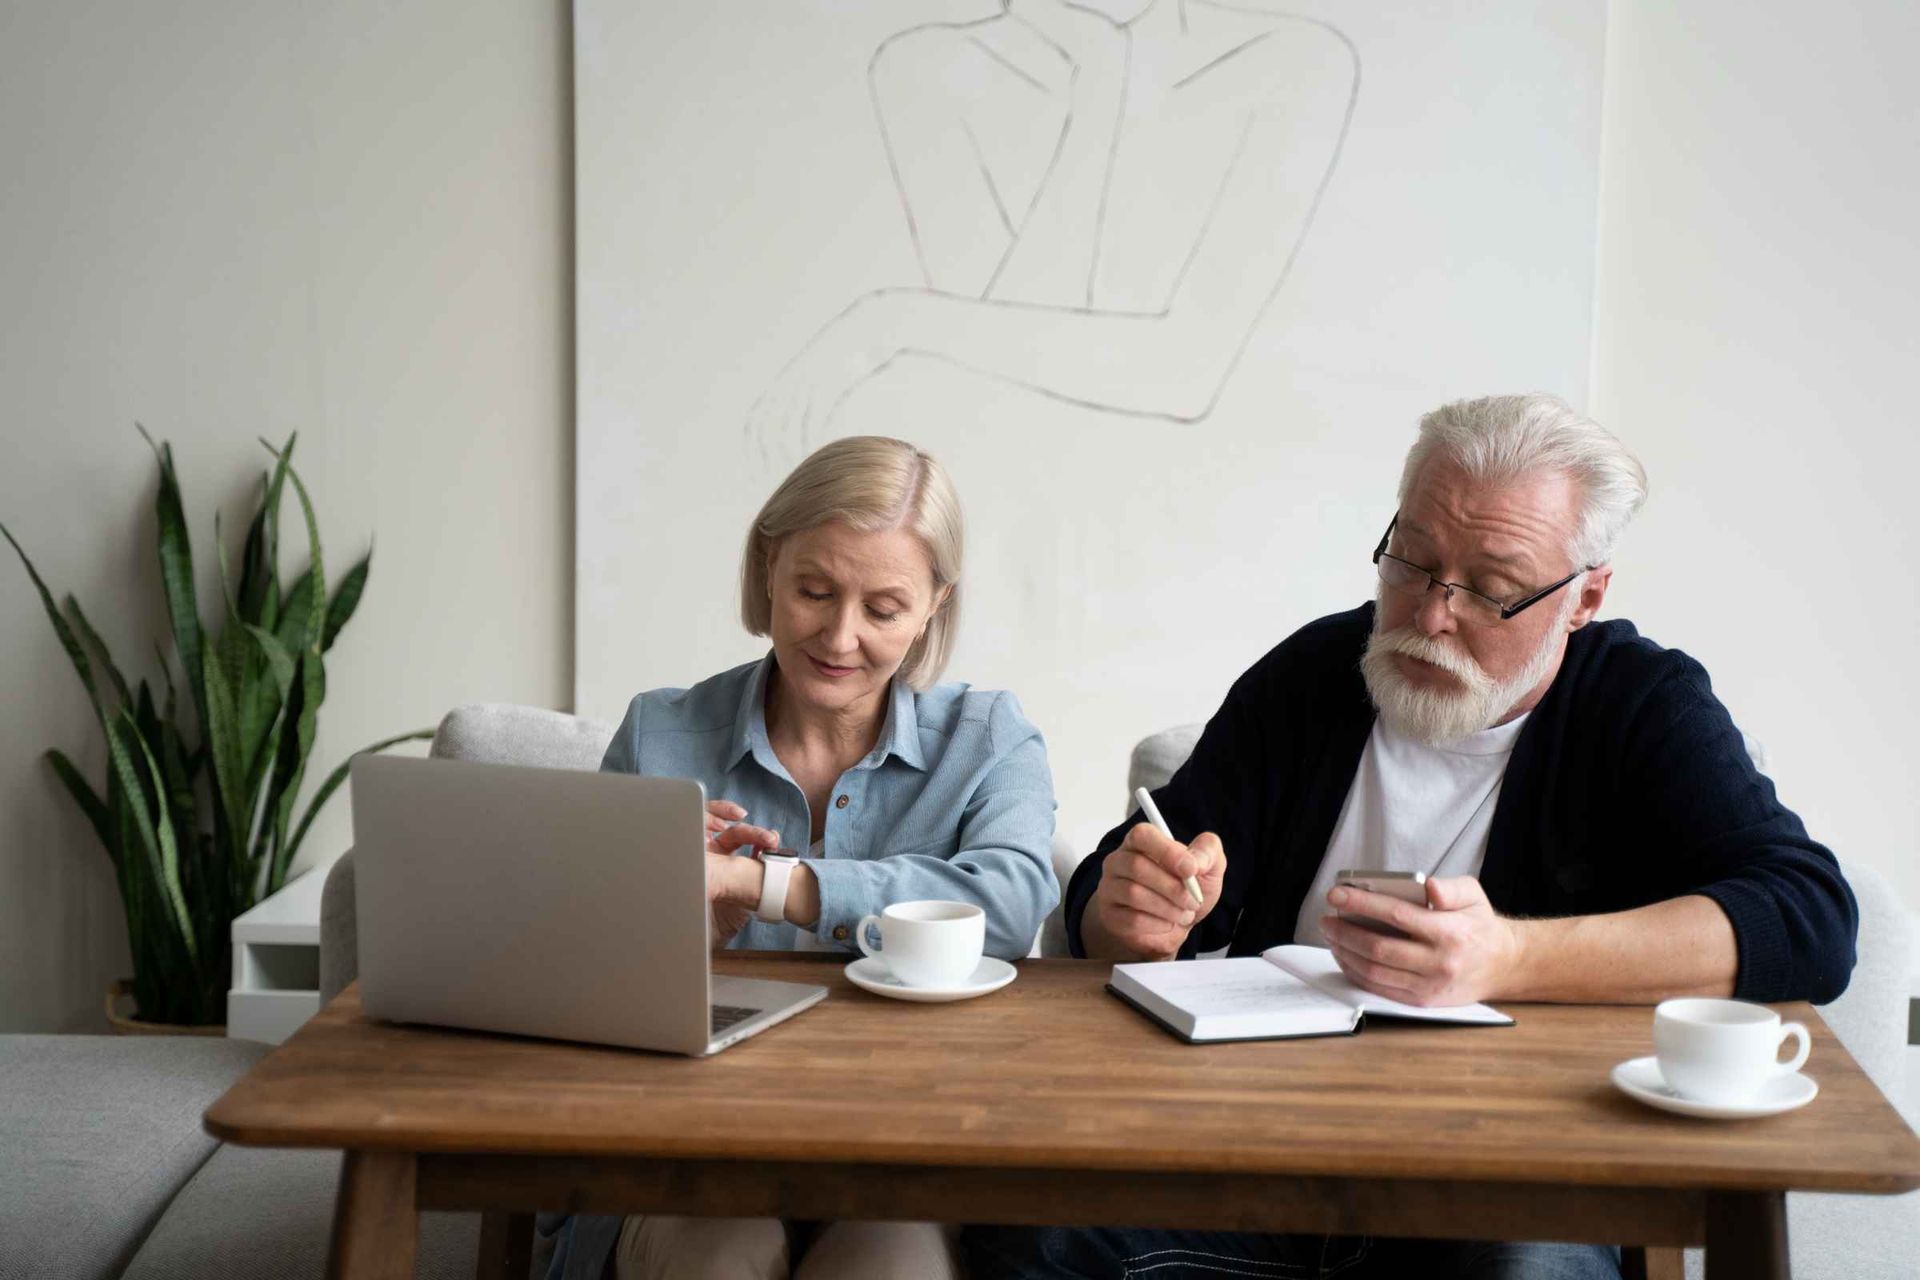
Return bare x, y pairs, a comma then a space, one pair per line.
839, 743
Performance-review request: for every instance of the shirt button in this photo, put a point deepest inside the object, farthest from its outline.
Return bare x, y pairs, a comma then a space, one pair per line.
839, 933
841, 803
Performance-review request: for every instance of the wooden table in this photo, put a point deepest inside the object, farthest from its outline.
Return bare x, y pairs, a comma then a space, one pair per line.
1050, 1102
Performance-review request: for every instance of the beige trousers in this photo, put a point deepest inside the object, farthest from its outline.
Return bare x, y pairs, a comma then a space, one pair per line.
657, 1247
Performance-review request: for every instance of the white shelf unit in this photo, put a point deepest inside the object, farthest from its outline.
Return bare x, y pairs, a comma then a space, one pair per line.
276, 962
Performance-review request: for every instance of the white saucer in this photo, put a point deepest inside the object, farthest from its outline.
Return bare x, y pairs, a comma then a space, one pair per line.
1640, 1078
870, 973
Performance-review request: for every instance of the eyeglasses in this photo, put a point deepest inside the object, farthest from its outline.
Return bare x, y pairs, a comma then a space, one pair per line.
1410, 579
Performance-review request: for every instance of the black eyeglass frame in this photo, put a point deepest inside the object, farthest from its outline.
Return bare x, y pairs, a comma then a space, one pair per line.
1506, 610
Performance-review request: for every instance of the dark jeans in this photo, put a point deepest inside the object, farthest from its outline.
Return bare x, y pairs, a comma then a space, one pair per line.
1121, 1253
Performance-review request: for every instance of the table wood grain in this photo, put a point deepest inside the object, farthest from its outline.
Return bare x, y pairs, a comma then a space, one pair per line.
1050, 1101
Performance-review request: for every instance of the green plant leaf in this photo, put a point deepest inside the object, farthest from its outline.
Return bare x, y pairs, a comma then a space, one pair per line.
176, 573
124, 748
128, 864
338, 776
316, 571
297, 745
95, 645
83, 795
169, 849
286, 770
346, 597
177, 769
220, 567
235, 652
283, 458
228, 756
259, 568
279, 661
166, 670
293, 618
259, 726
68, 641
146, 717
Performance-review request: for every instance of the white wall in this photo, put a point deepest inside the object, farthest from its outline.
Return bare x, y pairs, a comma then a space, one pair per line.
236, 219
245, 218
1755, 340
1451, 252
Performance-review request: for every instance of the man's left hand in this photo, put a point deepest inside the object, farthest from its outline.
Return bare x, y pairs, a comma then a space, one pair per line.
1459, 951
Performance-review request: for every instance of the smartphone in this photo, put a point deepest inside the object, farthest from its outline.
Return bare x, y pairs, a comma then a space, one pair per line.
1408, 886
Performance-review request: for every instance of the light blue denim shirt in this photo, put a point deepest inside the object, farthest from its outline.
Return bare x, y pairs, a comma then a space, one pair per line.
955, 801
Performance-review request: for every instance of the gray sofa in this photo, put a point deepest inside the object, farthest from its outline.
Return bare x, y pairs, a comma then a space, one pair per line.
106, 1171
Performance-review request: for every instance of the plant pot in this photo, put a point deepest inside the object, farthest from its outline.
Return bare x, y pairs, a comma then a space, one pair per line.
127, 1024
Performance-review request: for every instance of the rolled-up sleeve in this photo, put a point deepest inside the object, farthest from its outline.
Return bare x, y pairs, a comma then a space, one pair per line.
1000, 859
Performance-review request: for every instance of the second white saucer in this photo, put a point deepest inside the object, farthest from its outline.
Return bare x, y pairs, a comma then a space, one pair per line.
870, 973
1640, 1079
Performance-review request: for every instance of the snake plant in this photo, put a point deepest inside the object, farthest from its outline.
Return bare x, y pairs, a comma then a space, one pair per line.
198, 809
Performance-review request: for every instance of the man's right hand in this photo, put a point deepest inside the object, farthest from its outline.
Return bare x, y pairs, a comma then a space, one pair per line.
1141, 909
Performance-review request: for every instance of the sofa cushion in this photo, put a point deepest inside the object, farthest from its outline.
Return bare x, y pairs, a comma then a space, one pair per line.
252, 1212
502, 733
1157, 757
99, 1132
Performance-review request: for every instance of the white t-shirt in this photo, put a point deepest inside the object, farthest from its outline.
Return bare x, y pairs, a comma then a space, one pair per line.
1413, 807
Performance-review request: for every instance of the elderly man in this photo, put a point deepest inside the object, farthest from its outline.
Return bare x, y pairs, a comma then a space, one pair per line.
1584, 808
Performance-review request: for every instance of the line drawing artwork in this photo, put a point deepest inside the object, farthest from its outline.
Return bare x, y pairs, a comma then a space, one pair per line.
1104, 198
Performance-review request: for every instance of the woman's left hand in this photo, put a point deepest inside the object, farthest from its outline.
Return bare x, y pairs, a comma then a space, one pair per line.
733, 882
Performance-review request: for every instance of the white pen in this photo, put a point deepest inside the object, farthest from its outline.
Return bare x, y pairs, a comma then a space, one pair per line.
1152, 811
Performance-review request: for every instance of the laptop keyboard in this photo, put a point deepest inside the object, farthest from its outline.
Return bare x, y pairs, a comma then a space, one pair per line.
730, 1015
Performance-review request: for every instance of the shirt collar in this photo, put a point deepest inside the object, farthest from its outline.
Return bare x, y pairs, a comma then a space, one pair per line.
899, 736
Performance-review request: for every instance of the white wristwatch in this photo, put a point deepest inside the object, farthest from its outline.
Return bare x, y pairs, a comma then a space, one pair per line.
773, 889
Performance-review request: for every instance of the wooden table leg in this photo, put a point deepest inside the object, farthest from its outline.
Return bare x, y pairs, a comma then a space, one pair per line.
506, 1246
1652, 1262
1747, 1235
376, 1222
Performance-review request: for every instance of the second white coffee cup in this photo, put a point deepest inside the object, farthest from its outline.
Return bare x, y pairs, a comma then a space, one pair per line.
1723, 1051
928, 943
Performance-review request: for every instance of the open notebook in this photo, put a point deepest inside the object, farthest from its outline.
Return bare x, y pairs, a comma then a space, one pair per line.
1281, 993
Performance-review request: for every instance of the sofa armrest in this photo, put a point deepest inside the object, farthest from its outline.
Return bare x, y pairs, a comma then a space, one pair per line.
1053, 932
339, 933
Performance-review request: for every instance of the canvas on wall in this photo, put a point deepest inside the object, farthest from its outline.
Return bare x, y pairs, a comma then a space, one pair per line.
1165, 285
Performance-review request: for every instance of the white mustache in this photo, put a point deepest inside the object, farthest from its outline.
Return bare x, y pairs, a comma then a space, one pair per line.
1408, 641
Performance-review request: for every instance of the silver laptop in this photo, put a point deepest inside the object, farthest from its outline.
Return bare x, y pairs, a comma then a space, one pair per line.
544, 902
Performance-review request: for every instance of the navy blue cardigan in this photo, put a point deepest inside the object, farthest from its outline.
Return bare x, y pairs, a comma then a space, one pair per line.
1629, 785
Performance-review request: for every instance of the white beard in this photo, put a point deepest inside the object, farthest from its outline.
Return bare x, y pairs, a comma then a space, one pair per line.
1437, 717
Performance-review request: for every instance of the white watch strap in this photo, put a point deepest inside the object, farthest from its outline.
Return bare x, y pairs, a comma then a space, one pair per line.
773, 889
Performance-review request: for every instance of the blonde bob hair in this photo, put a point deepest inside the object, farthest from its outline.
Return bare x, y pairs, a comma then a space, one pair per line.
872, 484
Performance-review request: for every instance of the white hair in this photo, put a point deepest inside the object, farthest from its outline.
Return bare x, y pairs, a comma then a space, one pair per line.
1499, 439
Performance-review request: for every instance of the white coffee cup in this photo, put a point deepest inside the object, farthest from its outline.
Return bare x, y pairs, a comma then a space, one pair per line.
1723, 1051
928, 943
